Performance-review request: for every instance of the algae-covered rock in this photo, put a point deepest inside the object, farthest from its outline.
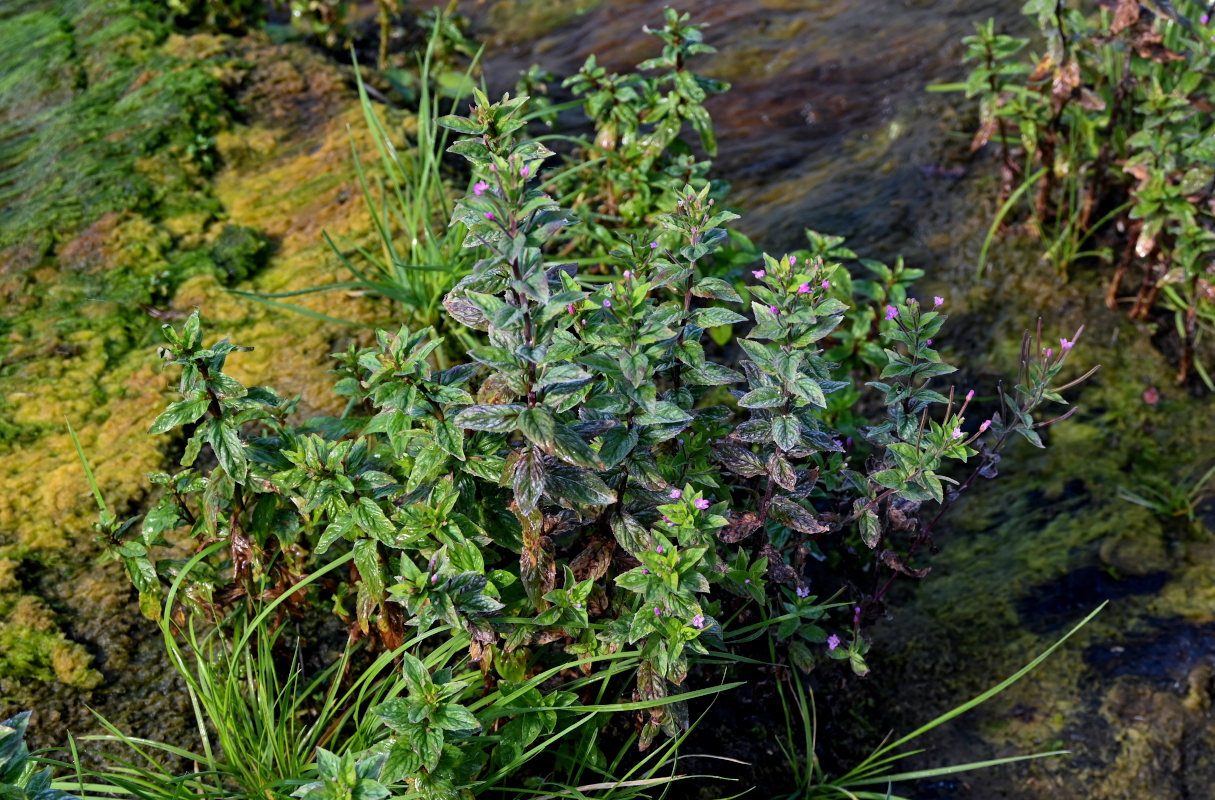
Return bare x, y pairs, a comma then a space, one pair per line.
141, 194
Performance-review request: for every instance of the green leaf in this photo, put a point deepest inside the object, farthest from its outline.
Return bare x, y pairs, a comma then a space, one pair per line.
712, 317
569, 446
428, 743
367, 560
786, 431
889, 478
403, 762
577, 488
496, 418
371, 518
763, 397
333, 531
453, 717
664, 413
450, 439
225, 441
617, 444
416, 676
716, 289
459, 124
538, 425
183, 412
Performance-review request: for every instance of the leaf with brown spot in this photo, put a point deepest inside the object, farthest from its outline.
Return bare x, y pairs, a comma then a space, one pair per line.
790, 514
742, 524
1042, 70
496, 390
891, 559
739, 460
1090, 100
1125, 15
593, 562
778, 570
242, 551
1067, 79
781, 471
538, 570
984, 133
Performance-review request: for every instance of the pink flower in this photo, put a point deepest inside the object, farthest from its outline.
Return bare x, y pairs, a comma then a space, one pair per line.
577, 605
804, 289
657, 611
702, 504
803, 591
698, 621
970, 395
758, 273
645, 571
891, 312
792, 260
833, 642
826, 284
1048, 352
607, 303
986, 424
489, 215
957, 433
653, 245
524, 171
434, 578
937, 302
628, 273
676, 494
479, 188
1066, 344
571, 308
658, 549
774, 310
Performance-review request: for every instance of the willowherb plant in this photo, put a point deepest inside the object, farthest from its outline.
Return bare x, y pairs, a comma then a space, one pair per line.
636, 163
1107, 135
591, 501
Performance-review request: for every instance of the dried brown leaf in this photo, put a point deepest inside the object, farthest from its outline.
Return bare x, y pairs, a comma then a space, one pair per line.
742, 524
1125, 15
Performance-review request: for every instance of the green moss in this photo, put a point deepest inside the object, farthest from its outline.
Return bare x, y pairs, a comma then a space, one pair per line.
240, 252
107, 96
32, 647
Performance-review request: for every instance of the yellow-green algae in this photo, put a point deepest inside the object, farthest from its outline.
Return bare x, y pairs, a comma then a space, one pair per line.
90, 287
